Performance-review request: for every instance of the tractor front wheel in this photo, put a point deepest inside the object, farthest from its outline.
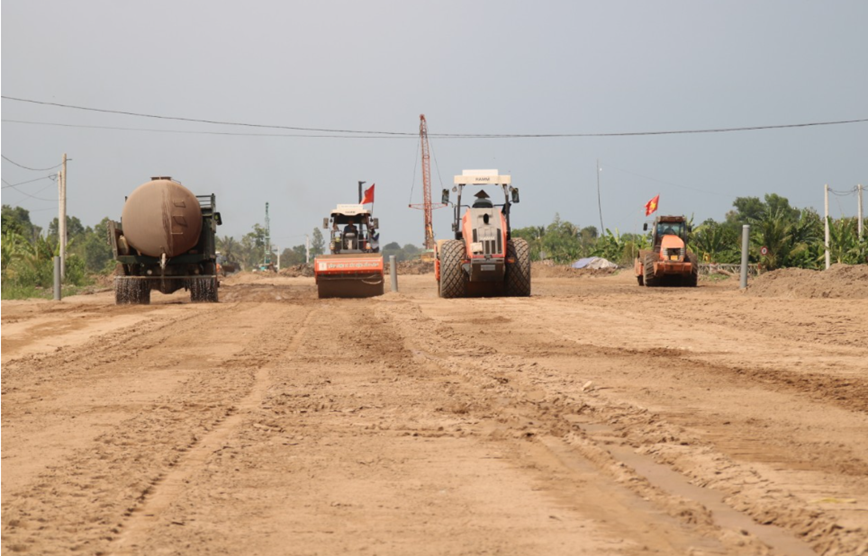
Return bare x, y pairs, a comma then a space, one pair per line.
453, 279
518, 272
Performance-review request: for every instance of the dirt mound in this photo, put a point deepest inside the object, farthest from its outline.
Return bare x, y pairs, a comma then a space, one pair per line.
840, 281
416, 266
547, 270
304, 270
265, 293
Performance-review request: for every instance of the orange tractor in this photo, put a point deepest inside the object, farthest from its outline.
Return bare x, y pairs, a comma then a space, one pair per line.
669, 262
483, 259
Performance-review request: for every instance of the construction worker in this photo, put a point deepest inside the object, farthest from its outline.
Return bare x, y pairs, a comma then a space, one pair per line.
350, 236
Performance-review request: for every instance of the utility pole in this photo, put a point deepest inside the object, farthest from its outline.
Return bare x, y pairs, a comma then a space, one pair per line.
306, 248
267, 237
860, 213
599, 202
745, 248
826, 222
61, 218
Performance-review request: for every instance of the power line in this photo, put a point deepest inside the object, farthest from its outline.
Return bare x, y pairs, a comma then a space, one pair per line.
846, 193
26, 193
200, 132
443, 135
198, 120
52, 176
7, 159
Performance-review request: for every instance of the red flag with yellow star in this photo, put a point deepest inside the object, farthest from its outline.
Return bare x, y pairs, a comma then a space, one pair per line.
651, 205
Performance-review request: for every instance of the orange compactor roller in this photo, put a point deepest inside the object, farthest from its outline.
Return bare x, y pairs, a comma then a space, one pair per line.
354, 267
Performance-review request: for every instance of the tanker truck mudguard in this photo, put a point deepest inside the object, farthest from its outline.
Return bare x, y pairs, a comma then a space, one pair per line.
483, 259
165, 241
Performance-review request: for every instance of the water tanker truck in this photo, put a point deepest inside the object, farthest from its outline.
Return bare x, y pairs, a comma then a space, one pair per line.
165, 242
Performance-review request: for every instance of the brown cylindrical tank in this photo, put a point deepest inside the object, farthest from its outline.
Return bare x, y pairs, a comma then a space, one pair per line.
162, 216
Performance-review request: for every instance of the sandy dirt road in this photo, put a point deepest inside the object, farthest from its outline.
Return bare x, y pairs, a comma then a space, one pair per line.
595, 417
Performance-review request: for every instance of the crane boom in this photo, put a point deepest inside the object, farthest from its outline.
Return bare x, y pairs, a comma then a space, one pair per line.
426, 182
427, 206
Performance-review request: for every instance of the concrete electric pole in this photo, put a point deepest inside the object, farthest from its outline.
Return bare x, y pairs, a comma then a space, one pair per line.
61, 218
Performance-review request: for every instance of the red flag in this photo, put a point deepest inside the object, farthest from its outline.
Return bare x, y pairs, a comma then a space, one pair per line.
651, 206
369, 195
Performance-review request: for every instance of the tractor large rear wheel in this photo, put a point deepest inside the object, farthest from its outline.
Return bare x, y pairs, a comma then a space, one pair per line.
518, 272
453, 279
693, 278
649, 278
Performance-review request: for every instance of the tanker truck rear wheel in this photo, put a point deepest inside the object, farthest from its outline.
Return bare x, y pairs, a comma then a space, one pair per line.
132, 291
203, 289
453, 279
518, 272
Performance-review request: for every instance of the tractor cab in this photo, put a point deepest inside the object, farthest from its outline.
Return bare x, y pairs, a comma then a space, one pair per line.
352, 229
482, 208
675, 227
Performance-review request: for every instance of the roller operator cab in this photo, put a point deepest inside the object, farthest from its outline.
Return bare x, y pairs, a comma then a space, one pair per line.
354, 267
483, 259
669, 262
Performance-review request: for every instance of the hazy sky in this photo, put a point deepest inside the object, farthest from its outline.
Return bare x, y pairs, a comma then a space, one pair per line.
498, 67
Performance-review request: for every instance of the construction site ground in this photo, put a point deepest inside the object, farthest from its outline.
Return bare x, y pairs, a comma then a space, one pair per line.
594, 417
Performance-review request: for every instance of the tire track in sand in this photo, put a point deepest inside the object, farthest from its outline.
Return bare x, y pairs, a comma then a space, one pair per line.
157, 498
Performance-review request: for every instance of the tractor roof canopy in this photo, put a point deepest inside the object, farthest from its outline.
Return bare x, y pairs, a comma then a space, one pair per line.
671, 219
344, 214
482, 177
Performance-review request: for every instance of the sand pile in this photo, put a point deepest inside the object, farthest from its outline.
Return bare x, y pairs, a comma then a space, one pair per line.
415, 266
546, 270
298, 270
839, 282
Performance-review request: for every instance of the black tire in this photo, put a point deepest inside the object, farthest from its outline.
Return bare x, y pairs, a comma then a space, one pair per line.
693, 278
518, 273
453, 279
203, 289
131, 291
648, 267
